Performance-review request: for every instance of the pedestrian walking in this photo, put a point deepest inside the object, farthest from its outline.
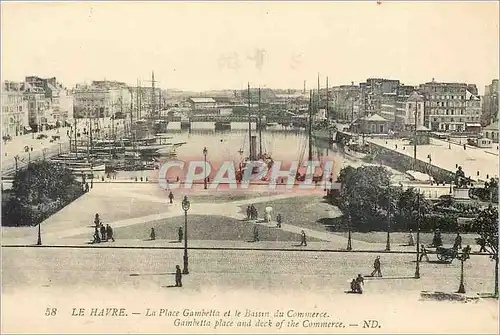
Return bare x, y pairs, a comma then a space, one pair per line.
97, 238
249, 212
423, 253
97, 220
278, 220
303, 241
171, 197
482, 243
180, 234
411, 240
178, 276
86, 187
152, 235
376, 268
103, 233
109, 232
255, 234
458, 242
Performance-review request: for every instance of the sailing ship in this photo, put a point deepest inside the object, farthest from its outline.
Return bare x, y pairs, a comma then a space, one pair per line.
303, 171
324, 130
261, 158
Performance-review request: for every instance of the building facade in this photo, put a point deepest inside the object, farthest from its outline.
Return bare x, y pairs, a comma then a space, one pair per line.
445, 105
473, 111
490, 103
39, 111
101, 99
414, 106
15, 118
202, 103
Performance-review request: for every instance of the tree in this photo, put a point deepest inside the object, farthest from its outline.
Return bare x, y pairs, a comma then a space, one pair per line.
363, 196
408, 205
38, 192
487, 225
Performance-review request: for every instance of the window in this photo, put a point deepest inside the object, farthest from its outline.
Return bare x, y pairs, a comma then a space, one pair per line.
451, 120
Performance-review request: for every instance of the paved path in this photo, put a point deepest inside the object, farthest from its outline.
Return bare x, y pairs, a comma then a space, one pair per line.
63, 224
472, 159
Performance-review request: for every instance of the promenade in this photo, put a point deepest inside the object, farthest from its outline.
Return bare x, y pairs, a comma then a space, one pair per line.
44, 147
216, 220
447, 155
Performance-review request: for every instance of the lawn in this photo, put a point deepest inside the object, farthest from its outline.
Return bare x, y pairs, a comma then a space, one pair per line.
218, 228
302, 211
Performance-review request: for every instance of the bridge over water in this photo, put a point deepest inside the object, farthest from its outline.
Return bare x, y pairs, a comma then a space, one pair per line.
234, 118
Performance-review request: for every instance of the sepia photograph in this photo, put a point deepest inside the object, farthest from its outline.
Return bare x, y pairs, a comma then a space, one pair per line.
249, 167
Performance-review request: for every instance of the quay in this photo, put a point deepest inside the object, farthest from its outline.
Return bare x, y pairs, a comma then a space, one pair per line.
479, 164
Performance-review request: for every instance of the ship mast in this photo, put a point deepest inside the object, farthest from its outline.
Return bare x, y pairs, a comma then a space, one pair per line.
310, 125
260, 128
153, 99
327, 93
249, 124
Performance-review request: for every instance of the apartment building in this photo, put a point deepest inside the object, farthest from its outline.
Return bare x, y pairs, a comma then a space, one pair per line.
490, 103
101, 99
15, 120
445, 105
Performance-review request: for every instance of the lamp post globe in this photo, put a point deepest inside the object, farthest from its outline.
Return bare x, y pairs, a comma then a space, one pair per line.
186, 204
185, 207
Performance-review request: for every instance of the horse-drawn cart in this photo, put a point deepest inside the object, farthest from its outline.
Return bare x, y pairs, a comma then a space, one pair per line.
446, 254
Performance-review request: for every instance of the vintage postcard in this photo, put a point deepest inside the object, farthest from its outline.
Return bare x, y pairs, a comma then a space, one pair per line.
249, 167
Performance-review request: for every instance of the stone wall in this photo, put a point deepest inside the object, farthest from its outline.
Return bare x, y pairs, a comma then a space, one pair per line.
403, 163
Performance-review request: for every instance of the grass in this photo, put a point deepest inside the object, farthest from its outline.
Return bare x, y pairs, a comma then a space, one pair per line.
304, 211
217, 228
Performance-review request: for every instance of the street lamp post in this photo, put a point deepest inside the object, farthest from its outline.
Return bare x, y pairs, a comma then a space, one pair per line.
205, 151
388, 242
39, 242
185, 207
417, 268
461, 288
463, 257
349, 242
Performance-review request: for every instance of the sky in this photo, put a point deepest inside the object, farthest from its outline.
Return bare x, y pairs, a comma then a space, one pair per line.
222, 45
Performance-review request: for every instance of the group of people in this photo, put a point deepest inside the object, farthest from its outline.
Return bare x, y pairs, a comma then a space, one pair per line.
357, 283
252, 212
102, 233
180, 234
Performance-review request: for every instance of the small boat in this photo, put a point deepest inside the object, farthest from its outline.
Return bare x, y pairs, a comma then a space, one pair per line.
97, 168
271, 124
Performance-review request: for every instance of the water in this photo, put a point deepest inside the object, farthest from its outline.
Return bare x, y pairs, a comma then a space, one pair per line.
282, 143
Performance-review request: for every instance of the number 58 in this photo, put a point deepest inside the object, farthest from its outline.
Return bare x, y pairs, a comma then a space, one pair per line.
51, 312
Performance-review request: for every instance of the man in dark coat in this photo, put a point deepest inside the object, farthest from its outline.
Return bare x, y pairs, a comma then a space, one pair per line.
181, 234
303, 241
171, 197
178, 276
376, 267
458, 242
103, 233
109, 232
